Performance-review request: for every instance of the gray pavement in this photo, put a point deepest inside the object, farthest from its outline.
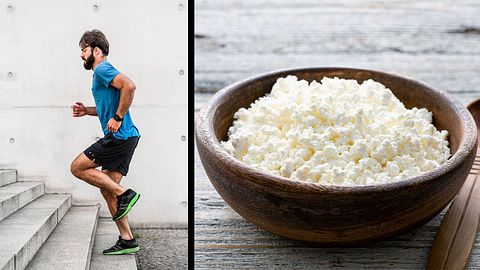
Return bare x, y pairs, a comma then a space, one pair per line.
162, 248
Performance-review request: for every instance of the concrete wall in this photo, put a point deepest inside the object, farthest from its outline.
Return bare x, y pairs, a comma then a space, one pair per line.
41, 75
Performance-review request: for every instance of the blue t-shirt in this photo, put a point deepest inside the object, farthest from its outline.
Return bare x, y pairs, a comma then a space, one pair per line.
107, 98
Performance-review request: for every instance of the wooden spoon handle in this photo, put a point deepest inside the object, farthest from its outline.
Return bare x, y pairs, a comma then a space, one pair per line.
457, 232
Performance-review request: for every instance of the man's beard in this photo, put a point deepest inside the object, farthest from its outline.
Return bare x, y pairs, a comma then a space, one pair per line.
88, 65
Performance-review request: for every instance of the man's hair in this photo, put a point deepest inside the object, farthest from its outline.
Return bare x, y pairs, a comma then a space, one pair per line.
94, 38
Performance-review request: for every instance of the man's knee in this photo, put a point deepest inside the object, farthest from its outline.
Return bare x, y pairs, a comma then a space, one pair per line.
75, 168
80, 164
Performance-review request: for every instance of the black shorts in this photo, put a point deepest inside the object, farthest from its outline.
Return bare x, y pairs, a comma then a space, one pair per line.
112, 154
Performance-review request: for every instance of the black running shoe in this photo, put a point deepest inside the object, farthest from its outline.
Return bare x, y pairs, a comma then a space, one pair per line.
123, 247
125, 202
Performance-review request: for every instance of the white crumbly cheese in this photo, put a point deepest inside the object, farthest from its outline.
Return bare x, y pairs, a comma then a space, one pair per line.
336, 132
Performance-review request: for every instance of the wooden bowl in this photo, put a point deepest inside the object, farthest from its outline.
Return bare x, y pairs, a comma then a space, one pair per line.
334, 215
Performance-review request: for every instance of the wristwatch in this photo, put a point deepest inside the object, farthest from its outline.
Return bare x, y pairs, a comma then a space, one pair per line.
117, 118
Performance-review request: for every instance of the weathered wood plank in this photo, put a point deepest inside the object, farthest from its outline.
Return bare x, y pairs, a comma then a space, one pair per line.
336, 26
215, 5
431, 41
445, 72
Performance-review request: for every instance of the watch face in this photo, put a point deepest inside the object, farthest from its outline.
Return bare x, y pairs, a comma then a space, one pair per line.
117, 118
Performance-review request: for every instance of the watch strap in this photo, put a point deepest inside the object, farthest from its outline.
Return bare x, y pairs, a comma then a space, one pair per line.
117, 118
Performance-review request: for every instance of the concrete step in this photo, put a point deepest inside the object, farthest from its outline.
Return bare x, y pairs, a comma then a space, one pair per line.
107, 236
70, 244
7, 177
24, 232
15, 196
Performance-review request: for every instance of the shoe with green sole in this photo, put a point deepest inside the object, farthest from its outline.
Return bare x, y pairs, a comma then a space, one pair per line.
125, 202
123, 247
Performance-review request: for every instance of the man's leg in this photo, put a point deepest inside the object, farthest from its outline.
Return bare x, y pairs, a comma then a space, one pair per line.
123, 226
83, 168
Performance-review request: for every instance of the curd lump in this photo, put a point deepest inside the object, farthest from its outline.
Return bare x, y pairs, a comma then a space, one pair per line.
336, 132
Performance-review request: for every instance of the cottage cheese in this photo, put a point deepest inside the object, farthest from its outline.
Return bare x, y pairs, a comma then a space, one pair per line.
336, 132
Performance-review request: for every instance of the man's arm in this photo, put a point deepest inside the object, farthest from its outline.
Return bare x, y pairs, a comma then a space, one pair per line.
91, 111
80, 110
127, 91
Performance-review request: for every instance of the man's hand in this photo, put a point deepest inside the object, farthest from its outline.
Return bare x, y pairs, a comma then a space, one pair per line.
78, 109
113, 125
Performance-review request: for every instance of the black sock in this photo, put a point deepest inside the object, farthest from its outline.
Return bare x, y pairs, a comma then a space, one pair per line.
123, 194
133, 239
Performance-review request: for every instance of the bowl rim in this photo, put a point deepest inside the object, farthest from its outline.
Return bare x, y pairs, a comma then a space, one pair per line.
204, 130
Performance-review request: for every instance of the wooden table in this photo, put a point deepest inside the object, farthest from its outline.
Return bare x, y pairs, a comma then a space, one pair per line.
437, 42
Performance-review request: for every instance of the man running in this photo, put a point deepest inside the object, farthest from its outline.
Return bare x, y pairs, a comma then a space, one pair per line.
113, 93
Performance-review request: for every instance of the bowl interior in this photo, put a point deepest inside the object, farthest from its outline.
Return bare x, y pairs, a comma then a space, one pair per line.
411, 93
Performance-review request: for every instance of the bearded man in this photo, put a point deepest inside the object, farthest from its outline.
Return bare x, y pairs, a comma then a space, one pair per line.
113, 94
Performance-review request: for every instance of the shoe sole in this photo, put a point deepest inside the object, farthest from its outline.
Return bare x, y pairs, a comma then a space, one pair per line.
130, 205
123, 251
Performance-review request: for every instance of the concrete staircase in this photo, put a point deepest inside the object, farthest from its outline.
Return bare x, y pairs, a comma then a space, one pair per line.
44, 231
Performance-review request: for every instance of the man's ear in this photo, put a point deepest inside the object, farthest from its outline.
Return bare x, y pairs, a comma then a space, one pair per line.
97, 52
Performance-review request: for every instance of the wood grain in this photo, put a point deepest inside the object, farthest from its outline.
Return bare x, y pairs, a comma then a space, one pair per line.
456, 235
455, 73
411, 27
423, 39
432, 41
